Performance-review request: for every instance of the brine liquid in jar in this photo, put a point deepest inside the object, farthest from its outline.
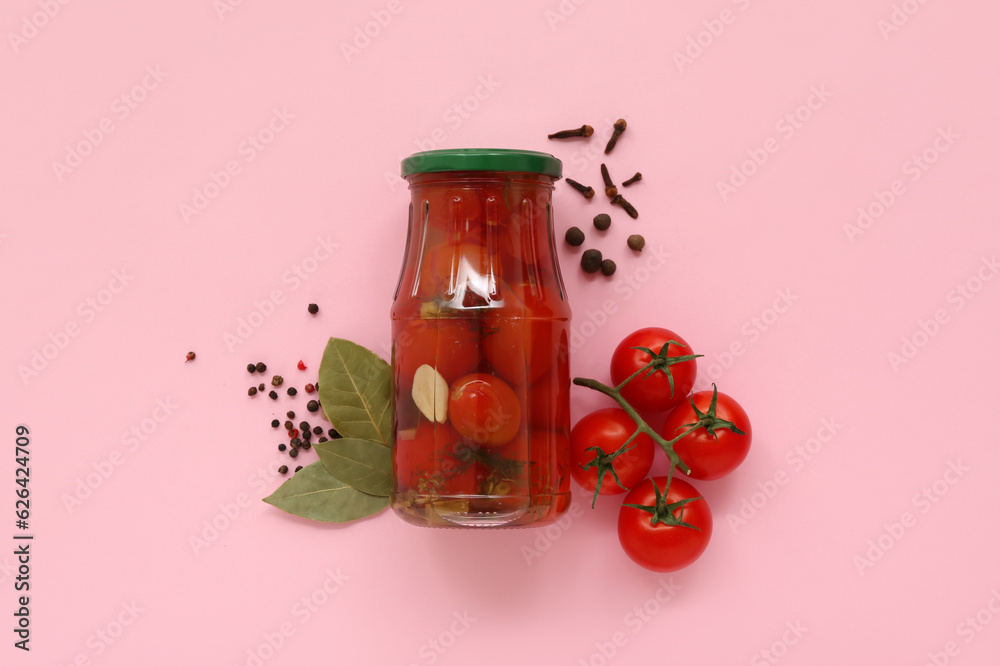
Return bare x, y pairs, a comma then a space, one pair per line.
480, 358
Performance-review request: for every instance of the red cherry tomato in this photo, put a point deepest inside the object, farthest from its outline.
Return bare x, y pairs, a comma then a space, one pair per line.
522, 348
541, 458
462, 474
710, 456
430, 460
448, 267
548, 407
609, 429
449, 345
417, 453
549, 462
484, 409
652, 392
663, 547
524, 242
457, 211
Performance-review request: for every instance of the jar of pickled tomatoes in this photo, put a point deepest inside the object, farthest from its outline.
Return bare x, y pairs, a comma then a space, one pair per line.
480, 354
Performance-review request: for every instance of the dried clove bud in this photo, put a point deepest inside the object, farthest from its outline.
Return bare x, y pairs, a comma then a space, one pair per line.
584, 131
634, 179
620, 126
619, 200
585, 190
609, 187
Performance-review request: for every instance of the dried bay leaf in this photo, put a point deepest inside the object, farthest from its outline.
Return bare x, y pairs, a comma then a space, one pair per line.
360, 463
316, 494
356, 391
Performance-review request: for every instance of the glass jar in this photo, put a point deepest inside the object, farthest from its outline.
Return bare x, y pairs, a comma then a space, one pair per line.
480, 355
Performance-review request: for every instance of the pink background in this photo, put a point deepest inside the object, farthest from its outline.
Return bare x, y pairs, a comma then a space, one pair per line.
815, 375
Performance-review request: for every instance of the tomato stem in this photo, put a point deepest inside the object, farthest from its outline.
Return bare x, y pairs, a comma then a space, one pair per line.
709, 421
662, 512
604, 464
658, 361
661, 360
633, 376
614, 392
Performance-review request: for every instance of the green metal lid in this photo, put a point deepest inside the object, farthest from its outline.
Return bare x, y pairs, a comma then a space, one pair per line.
482, 159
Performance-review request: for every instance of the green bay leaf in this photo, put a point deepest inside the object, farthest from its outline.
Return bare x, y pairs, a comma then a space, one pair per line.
360, 463
313, 493
355, 389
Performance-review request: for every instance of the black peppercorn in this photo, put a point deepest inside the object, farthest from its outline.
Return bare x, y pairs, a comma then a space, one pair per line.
275, 423
307, 435
306, 445
251, 368
317, 430
273, 395
288, 425
304, 425
636, 242
333, 433
298, 468
261, 367
575, 236
608, 267
252, 391
312, 406
313, 308
591, 261
283, 469
282, 447
294, 453
602, 221
323, 439
292, 390
290, 414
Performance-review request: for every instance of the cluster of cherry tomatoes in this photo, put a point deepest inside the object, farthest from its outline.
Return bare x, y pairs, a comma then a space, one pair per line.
664, 524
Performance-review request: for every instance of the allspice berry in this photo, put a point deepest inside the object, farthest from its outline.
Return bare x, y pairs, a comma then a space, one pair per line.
602, 221
608, 267
575, 236
591, 261
636, 242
